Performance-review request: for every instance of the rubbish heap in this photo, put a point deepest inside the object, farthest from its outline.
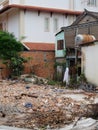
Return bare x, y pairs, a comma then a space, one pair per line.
27, 105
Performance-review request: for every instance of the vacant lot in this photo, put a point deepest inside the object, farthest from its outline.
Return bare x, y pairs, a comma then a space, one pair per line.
27, 105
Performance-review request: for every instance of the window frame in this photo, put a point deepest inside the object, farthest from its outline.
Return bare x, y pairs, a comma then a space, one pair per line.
91, 2
60, 44
47, 24
55, 22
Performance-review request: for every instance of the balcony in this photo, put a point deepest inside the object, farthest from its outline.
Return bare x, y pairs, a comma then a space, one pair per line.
4, 3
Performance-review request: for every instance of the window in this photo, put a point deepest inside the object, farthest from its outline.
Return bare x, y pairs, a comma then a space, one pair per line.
60, 45
91, 2
47, 24
55, 24
84, 2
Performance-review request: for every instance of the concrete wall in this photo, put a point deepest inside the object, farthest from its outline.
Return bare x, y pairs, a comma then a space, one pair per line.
34, 25
90, 63
44, 3
82, 4
13, 23
10, 22
61, 4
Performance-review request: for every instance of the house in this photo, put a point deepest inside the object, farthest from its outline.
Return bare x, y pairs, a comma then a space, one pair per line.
37, 21
35, 24
86, 23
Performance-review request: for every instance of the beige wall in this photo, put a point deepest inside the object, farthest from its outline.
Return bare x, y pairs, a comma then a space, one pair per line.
90, 62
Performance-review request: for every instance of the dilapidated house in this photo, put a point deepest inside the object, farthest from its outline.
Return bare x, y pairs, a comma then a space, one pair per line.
86, 23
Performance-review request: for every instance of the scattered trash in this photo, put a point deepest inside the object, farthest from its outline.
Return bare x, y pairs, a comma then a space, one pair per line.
34, 106
28, 105
27, 87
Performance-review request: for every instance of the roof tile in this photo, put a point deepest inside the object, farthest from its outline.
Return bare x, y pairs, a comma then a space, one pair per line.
39, 46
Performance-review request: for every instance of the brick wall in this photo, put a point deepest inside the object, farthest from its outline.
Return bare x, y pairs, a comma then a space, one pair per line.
41, 63
4, 72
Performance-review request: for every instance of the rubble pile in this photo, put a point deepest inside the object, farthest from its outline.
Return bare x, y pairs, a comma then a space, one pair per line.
27, 105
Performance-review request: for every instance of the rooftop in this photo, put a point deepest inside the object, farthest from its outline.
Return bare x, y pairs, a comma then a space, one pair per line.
39, 46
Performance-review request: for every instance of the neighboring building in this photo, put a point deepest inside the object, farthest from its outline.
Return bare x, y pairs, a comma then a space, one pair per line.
39, 20
91, 5
89, 61
60, 53
86, 23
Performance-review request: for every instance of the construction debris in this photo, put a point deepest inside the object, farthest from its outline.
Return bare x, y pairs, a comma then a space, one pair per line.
28, 105
83, 124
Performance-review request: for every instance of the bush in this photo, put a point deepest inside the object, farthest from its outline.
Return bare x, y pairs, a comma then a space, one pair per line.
9, 53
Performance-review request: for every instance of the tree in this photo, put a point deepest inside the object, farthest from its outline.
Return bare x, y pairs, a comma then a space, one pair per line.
10, 49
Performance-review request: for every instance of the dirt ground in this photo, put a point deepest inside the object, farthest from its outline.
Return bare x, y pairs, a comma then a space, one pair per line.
28, 105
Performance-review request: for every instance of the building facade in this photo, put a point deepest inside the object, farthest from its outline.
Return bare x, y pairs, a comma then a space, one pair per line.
90, 62
86, 24
37, 21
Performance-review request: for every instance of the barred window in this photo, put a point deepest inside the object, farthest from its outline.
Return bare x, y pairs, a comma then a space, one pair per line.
60, 45
91, 2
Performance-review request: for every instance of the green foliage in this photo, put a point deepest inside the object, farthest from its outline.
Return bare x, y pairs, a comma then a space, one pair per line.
51, 82
60, 64
9, 46
9, 53
82, 78
73, 81
16, 65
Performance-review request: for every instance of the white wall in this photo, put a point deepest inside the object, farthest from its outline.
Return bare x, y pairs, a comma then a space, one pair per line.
49, 3
90, 63
34, 26
79, 6
44, 3
14, 1
13, 23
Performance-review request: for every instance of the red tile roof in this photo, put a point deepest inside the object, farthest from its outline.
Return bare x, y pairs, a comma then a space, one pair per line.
39, 46
54, 10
